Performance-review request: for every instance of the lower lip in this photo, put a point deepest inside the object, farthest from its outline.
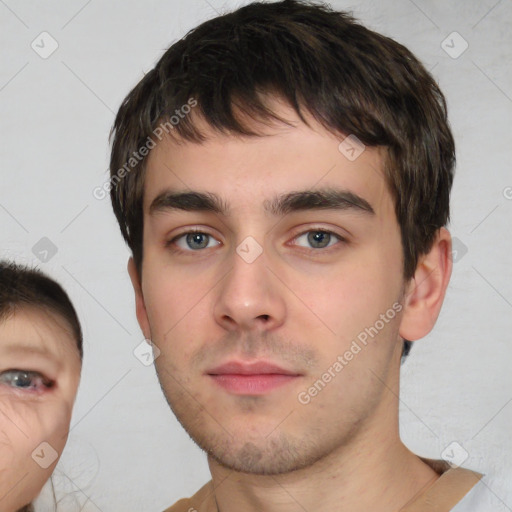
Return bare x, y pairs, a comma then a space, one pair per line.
252, 384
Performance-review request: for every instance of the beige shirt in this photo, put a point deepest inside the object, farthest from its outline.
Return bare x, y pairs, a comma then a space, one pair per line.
441, 496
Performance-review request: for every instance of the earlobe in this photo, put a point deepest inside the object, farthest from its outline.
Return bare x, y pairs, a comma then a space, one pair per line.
426, 290
140, 306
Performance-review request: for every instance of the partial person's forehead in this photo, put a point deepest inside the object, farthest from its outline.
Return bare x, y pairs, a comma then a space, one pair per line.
34, 331
273, 171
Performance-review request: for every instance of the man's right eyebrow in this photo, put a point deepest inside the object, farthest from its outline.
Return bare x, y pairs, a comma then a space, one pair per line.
188, 201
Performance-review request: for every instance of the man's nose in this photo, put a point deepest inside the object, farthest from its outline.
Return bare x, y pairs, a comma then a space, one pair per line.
250, 297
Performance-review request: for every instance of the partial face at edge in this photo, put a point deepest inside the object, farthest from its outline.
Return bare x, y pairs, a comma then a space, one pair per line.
39, 375
265, 280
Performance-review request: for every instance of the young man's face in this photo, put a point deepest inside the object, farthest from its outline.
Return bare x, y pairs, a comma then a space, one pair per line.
39, 375
270, 293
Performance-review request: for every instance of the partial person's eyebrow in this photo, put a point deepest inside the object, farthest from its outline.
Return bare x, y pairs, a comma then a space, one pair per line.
324, 199
23, 348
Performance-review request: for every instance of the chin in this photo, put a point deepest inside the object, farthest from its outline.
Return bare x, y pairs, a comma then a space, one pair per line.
275, 456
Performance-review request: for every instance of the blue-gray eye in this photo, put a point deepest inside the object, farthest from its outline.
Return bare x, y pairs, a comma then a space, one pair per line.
317, 239
195, 241
22, 379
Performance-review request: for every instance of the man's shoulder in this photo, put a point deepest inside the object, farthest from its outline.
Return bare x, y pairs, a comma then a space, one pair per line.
202, 501
183, 505
456, 490
446, 491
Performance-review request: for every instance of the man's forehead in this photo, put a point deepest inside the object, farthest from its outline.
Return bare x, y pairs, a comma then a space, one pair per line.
284, 161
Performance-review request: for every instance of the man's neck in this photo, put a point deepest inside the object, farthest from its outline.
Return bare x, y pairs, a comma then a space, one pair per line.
365, 476
373, 470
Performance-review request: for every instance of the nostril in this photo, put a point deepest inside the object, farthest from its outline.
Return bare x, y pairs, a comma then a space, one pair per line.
265, 318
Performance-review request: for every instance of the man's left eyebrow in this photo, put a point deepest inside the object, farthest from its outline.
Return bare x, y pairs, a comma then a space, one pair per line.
325, 199
189, 201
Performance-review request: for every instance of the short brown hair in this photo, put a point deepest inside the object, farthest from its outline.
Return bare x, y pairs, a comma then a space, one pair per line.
350, 79
21, 286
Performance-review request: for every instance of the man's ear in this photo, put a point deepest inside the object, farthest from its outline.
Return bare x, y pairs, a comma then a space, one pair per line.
140, 307
425, 292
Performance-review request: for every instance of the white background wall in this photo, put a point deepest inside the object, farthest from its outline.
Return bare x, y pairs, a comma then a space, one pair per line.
126, 450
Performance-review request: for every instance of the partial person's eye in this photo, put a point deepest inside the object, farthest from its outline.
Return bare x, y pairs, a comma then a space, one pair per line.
22, 379
194, 241
317, 239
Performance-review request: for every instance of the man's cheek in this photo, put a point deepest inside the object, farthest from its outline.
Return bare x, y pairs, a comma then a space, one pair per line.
171, 299
164, 315
337, 306
175, 355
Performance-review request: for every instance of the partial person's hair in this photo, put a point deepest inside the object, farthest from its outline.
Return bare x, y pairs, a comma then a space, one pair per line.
350, 79
23, 287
